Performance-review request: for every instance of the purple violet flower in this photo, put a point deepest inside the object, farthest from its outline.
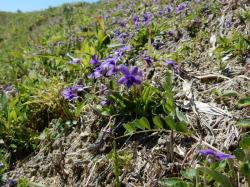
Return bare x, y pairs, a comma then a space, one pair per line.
181, 7
12, 182
124, 49
228, 24
105, 103
122, 37
130, 77
122, 23
10, 90
121, 51
170, 33
215, 154
108, 130
70, 93
156, 1
149, 60
135, 19
94, 60
173, 64
147, 18
107, 67
168, 9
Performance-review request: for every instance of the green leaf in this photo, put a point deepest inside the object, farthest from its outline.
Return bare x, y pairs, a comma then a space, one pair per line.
244, 123
181, 127
106, 113
245, 169
158, 122
115, 45
245, 142
245, 102
180, 115
130, 128
12, 116
229, 93
145, 94
222, 179
144, 123
4, 104
189, 173
170, 122
80, 107
240, 154
175, 182
169, 105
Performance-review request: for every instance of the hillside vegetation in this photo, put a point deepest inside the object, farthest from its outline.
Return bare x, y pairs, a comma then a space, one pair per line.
126, 93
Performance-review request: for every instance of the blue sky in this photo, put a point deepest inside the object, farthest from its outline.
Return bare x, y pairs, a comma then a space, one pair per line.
31, 5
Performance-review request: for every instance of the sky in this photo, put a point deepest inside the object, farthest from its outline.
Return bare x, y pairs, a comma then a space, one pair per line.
31, 5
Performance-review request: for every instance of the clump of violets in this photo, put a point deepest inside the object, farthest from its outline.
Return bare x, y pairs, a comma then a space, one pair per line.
181, 7
130, 77
109, 66
106, 67
215, 154
71, 93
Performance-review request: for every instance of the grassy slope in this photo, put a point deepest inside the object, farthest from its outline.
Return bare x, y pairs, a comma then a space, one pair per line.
33, 58
26, 39
21, 31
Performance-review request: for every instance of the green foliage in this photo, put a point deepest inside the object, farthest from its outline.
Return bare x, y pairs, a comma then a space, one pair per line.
119, 160
244, 123
221, 179
237, 45
175, 182
151, 107
4, 166
244, 102
184, 181
244, 15
26, 183
141, 38
243, 155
